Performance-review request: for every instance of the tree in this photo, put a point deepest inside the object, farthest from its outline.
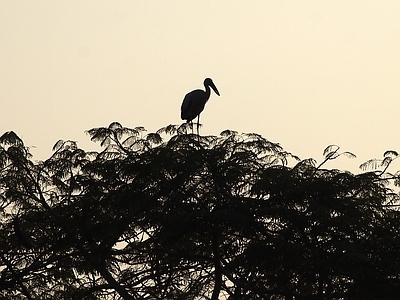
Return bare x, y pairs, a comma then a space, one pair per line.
193, 217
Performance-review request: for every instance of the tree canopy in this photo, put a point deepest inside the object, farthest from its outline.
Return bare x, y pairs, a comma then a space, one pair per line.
171, 215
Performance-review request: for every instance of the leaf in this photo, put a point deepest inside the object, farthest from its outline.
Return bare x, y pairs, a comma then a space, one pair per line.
306, 163
170, 129
349, 154
139, 129
57, 146
11, 138
184, 128
129, 141
154, 138
387, 160
332, 155
397, 178
390, 153
114, 126
99, 134
331, 148
228, 133
371, 164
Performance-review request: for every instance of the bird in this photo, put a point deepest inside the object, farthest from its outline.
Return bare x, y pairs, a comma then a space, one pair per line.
194, 102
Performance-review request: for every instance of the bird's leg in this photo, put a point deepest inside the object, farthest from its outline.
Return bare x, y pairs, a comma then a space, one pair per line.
198, 124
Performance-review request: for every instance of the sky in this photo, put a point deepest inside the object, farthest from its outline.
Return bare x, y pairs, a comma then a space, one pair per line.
305, 74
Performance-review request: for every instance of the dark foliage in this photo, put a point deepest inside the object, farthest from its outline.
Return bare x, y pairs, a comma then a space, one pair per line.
194, 217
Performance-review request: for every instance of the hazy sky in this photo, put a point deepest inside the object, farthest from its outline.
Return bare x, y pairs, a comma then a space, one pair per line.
305, 74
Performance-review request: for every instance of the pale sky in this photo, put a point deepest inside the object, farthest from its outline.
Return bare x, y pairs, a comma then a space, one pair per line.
305, 74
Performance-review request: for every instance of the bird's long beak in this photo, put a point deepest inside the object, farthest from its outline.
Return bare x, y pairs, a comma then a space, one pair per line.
212, 85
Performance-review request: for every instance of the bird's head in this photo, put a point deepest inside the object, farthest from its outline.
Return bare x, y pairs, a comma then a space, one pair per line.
210, 83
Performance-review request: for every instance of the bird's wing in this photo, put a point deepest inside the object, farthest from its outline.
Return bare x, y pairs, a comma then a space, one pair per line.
193, 105
185, 108
186, 103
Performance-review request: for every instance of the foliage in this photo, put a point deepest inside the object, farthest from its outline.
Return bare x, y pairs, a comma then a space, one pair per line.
193, 217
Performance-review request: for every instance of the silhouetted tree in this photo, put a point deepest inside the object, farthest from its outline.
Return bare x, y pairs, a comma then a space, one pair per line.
194, 217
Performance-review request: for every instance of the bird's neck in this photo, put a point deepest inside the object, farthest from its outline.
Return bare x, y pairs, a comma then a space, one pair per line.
208, 92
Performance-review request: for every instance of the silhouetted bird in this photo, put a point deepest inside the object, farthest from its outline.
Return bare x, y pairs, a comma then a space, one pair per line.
194, 102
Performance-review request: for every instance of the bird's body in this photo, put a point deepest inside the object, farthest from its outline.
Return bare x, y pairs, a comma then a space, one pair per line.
194, 102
